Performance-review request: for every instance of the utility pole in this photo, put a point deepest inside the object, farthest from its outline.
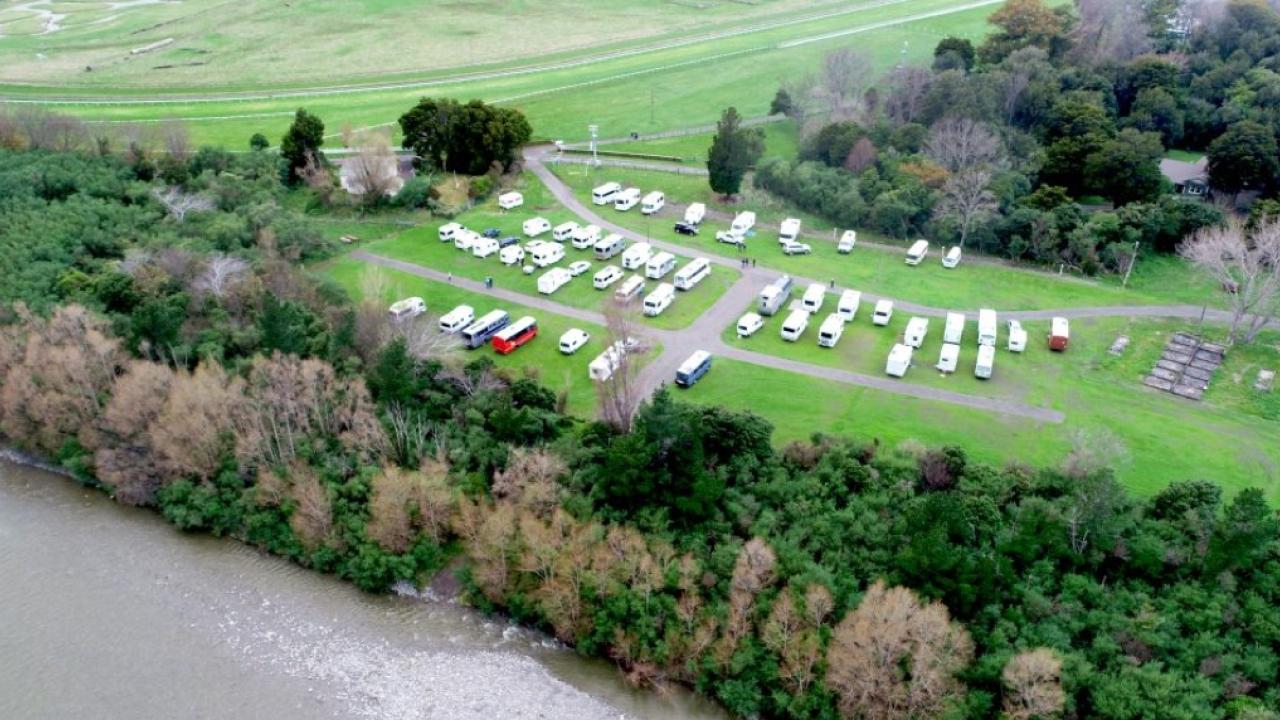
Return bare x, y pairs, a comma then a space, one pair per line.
1133, 261
595, 131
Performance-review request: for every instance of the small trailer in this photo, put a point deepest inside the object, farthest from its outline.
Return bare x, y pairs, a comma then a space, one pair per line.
813, 296
564, 231
553, 279
986, 362
484, 247
917, 252
883, 313
774, 296
533, 227
585, 237
988, 331
653, 202
547, 254
917, 328
949, 358
743, 222
899, 360
1017, 337
789, 231
510, 200
626, 199
660, 299
695, 213
1059, 334
634, 257
847, 241
954, 331
448, 231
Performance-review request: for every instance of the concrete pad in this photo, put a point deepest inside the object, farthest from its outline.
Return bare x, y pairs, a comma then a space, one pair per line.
1157, 383
1188, 391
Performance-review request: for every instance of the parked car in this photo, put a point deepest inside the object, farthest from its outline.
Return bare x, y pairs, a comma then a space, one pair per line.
579, 267
796, 248
572, 340
685, 228
491, 232
725, 236
508, 241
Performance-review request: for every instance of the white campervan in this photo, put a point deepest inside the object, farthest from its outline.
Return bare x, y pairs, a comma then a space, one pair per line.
987, 328
986, 362
659, 265
660, 299
847, 241
585, 237
830, 331
1017, 337
749, 324
688, 277
448, 231
533, 227
407, 308
952, 258
483, 247
744, 221
564, 231
899, 360
848, 305
949, 358
629, 288
794, 326
954, 331
605, 194
553, 279
917, 328
917, 252
457, 318
695, 213
547, 254
606, 276
789, 231
608, 247
510, 200
811, 301
653, 202
883, 312
634, 257
626, 199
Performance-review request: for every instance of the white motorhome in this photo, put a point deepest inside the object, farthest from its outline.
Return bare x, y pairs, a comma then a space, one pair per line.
917, 252
811, 301
634, 257
1017, 337
660, 299
953, 332
465, 239
547, 254
899, 360
847, 241
774, 296
606, 276
484, 247
653, 202
688, 277
986, 362
586, 237
448, 231
533, 227
744, 221
553, 279
407, 308
626, 199
608, 247
564, 231
949, 358
605, 194
988, 331
917, 328
511, 255
629, 288
510, 200
789, 231
659, 265
457, 319
848, 304
883, 313
695, 213
749, 324
794, 326
830, 331
952, 258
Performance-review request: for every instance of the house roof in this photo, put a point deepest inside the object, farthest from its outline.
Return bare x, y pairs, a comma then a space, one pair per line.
1181, 173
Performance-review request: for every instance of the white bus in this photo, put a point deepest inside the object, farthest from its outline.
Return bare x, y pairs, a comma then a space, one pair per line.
794, 326
457, 319
660, 299
481, 331
688, 277
811, 301
653, 202
604, 194
848, 304
789, 232
626, 199
634, 257
659, 265
988, 331
830, 331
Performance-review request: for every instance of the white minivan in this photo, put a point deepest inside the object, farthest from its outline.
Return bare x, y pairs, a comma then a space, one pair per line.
653, 202
660, 299
456, 319
917, 252
794, 326
607, 276
533, 227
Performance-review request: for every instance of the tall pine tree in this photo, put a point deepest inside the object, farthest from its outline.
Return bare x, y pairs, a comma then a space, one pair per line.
733, 150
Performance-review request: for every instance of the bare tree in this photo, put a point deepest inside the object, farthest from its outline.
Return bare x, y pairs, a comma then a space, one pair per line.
315, 173
10, 132
472, 382
620, 395
960, 143
967, 199
1033, 685
805, 97
219, 274
531, 480
179, 203
424, 339
1109, 31
1246, 265
372, 174
847, 75
177, 143
861, 156
908, 87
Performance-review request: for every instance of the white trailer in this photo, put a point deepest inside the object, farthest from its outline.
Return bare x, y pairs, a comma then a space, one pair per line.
448, 231
917, 328
602, 367
653, 202
608, 247
547, 254
465, 239
847, 241
949, 358
586, 237
553, 279
883, 312
848, 304
629, 288
484, 247
899, 360
626, 199
695, 213
811, 301
457, 319
1059, 334
688, 277
1017, 337
986, 362
659, 265
794, 326
954, 330
988, 331
830, 330
510, 200
774, 296
789, 231
744, 221
606, 276
660, 299
533, 227
952, 258
407, 308
634, 257
749, 324
917, 252
605, 194
564, 231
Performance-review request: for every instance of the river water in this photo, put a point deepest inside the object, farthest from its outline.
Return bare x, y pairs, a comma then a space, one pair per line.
108, 612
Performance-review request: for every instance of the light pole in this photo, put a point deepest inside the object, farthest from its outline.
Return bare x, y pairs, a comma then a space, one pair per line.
1133, 261
595, 132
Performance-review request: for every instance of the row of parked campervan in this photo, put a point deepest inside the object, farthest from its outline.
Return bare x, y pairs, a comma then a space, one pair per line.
624, 199
919, 250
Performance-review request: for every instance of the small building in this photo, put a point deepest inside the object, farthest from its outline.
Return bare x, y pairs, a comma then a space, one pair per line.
1187, 178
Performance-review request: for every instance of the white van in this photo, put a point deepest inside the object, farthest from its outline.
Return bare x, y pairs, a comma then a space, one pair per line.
448, 231
794, 326
811, 301
917, 252
899, 360
465, 239
511, 255
548, 254
749, 324
653, 202
510, 200
952, 258
986, 362
457, 318
564, 231
847, 241
789, 231
607, 276
830, 331
744, 221
553, 279
695, 213
629, 288
533, 227
608, 247
917, 328
688, 277
407, 308
987, 329
949, 358
954, 331
660, 299
634, 257
883, 313
659, 265
626, 199
484, 247
605, 194
586, 237
1017, 337
848, 305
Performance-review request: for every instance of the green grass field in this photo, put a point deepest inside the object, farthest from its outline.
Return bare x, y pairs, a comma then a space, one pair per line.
780, 140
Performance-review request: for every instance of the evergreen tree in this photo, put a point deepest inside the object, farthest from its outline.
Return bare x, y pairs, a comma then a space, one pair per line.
733, 150
302, 142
